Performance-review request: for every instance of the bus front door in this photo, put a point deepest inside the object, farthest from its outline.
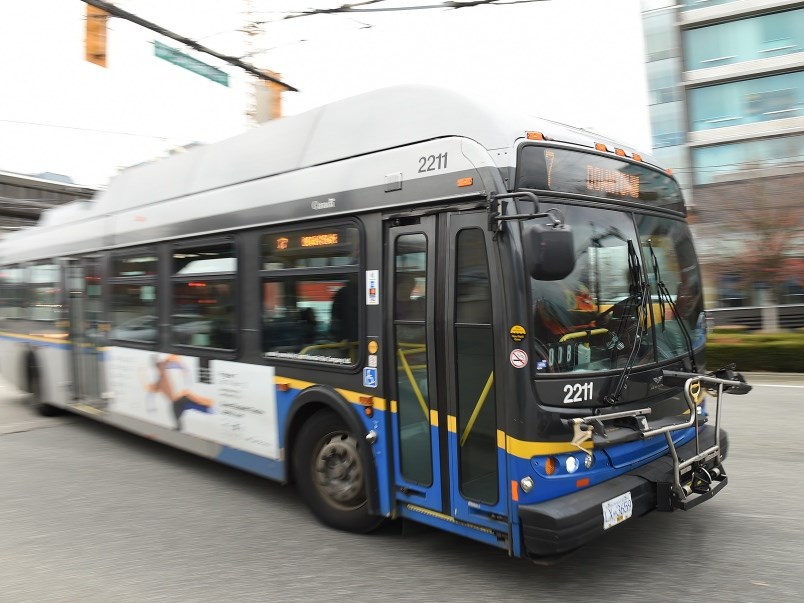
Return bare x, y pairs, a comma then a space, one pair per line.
86, 329
449, 460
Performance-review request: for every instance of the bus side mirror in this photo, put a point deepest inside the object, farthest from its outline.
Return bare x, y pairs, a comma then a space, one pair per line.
549, 251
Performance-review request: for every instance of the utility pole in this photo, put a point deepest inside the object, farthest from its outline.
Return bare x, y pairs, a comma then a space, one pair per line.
251, 29
265, 96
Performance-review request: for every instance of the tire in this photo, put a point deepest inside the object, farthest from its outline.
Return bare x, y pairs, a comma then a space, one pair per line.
35, 401
330, 474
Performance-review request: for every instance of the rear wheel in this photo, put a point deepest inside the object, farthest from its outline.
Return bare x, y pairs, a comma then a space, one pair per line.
35, 401
330, 473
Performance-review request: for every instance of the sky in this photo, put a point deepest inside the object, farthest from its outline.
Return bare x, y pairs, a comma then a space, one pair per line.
580, 62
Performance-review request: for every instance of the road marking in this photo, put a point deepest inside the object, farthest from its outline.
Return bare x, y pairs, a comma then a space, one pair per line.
775, 385
28, 426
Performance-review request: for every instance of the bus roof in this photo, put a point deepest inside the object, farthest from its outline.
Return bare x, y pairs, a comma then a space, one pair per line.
357, 127
371, 122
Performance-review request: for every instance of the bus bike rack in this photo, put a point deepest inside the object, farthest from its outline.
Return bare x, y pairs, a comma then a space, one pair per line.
702, 481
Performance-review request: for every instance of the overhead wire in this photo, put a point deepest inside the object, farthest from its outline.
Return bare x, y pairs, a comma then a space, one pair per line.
82, 129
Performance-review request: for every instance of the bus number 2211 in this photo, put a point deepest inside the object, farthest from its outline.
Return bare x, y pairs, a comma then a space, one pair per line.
577, 392
431, 163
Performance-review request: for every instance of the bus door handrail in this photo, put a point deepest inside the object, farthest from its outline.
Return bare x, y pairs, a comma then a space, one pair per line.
478, 407
413, 349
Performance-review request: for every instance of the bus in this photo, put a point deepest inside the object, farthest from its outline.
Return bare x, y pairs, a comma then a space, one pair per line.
407, 303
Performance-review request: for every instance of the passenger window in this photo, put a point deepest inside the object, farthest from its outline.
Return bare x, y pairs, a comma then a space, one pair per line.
12, 292
310, 295
204, 301
43, 282
134, 300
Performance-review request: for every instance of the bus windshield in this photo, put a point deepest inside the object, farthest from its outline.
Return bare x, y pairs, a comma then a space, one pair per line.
611, 306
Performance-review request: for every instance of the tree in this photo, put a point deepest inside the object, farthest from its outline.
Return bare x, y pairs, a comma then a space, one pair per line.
755, 230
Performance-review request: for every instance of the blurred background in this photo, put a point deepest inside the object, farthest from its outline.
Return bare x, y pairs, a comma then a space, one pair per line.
713, 88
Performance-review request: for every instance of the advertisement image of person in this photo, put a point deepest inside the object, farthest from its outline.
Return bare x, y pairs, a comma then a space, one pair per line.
172, 378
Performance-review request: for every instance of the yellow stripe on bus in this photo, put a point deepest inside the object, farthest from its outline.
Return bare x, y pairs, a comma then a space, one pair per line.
526, 450
46, 338
350, 396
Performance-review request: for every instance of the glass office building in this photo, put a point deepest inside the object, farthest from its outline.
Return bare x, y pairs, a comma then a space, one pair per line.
726, 85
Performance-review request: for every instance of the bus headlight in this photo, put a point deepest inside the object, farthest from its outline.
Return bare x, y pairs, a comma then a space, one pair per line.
571, 464
526, 483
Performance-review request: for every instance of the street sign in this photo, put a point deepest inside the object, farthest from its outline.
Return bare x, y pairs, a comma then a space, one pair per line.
172, 55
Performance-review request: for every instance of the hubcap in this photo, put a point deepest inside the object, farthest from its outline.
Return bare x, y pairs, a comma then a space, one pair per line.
338, 472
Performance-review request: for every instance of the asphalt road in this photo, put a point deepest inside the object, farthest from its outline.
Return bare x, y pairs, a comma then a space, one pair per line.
92, 514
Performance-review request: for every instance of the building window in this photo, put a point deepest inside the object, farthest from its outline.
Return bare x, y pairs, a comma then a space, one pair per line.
720, 163
667, 125
750, 39
693, 4
747, 101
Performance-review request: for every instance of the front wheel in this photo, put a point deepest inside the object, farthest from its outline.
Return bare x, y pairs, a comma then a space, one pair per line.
330, 474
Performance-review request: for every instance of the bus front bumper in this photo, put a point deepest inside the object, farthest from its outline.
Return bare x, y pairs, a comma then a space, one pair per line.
561, 525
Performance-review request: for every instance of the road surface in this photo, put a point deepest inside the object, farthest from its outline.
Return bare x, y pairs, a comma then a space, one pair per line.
92, 514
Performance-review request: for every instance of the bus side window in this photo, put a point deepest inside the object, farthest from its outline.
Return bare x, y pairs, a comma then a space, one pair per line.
204, 313
310, 317
310, 308
12, 292
134, 296
343, 324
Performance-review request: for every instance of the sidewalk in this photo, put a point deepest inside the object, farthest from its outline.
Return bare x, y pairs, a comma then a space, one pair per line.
774, 378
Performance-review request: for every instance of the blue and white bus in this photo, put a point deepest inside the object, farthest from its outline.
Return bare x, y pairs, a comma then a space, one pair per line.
407, 303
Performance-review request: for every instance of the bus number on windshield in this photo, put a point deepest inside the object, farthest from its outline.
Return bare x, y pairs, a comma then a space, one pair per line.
578, 392
431, 163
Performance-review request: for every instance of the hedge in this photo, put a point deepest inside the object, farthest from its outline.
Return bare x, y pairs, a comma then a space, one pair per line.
775, 352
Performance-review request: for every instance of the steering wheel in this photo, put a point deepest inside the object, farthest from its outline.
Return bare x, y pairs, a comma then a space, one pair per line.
622, 326
615, 311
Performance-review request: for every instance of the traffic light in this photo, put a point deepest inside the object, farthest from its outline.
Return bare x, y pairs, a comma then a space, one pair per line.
95, 43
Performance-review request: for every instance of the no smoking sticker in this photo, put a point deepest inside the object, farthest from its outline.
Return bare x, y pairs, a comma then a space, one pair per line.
519, 358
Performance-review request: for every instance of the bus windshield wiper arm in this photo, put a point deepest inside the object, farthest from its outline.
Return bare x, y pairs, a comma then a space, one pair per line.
640, 290
664, 293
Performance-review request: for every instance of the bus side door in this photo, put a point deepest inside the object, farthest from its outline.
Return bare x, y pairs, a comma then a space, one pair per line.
449, 457
86, 335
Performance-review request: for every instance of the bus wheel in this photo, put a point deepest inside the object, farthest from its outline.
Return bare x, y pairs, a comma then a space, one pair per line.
35, 389
329, 474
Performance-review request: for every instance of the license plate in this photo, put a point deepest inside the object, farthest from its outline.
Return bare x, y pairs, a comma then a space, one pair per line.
617, 510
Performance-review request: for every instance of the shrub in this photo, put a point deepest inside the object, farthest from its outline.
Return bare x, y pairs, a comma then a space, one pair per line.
777, 352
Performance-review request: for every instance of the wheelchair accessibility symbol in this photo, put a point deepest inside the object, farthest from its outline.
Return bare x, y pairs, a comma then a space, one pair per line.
369, 377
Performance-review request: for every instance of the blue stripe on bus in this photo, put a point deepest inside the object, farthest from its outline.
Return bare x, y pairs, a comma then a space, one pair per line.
253, 463
562, 482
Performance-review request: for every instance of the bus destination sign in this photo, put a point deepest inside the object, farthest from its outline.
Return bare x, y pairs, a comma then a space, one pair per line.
561, 170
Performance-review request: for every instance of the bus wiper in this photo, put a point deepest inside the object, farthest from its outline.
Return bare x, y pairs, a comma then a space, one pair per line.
640, 289
664, 293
